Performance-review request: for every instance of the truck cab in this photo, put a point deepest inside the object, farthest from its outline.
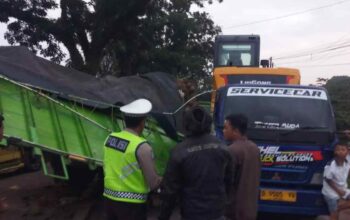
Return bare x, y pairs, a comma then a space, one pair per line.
294, 128
237, 50
237, 61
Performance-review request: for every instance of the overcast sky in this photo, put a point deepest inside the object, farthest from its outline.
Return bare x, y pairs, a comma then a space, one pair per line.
322, 35
313, 33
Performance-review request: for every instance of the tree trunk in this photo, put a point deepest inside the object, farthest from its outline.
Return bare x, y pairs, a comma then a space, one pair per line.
93, 59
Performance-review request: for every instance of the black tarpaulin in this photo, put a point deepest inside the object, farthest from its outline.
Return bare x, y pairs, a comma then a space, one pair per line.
20, 64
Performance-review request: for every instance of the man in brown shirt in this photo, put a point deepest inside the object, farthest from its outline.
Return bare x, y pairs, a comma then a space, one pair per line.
246, 158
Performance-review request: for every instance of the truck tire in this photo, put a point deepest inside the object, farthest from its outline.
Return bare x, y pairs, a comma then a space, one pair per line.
80, 176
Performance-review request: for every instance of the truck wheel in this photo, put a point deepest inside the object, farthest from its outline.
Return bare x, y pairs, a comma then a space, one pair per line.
80, 176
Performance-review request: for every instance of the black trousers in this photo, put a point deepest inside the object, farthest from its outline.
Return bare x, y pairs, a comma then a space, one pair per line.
124, 210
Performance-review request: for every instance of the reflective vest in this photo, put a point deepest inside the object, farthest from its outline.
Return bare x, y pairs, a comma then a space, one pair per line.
123, 178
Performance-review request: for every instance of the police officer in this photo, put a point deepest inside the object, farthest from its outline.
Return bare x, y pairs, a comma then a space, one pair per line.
129, 170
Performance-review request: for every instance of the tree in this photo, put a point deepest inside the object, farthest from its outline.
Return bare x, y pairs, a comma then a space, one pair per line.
85, 28
339, 90
170, 38
183, 41
115, 36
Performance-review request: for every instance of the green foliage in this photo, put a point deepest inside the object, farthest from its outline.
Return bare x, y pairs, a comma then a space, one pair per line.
121, 37
339, 91
170, 38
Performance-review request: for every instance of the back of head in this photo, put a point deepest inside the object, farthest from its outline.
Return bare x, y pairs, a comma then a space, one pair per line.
135, 113
197, 121
132, 121
238, 121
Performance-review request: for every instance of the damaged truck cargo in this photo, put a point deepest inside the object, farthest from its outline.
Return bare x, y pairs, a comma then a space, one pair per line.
63, 116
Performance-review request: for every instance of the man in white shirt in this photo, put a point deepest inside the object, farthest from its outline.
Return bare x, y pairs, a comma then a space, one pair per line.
335, 184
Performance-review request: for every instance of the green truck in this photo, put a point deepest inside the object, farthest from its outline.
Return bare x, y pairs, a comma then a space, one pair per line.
62, 117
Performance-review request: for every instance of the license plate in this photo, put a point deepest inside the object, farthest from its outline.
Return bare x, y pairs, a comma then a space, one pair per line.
278, 195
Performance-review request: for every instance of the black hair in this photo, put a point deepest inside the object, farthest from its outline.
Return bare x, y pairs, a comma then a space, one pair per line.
342, 143
197, 121
133, 122
238, 121
1, 120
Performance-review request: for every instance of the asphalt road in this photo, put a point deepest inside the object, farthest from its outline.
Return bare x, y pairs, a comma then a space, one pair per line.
34, 196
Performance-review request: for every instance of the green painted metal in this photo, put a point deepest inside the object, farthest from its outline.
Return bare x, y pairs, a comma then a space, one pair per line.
68, 128
44, 165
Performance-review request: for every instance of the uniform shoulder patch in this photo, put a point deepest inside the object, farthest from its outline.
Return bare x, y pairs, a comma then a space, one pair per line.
116, 143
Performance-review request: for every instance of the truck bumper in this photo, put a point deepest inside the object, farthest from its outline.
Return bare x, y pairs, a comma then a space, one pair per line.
308, 202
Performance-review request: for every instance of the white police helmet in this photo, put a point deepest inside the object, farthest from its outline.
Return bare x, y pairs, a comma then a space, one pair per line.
137, 108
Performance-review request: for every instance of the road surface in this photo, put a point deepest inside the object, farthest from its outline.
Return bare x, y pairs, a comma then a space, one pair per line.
32, 196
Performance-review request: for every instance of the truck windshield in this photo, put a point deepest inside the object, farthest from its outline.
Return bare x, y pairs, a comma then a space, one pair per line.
282, 109
231, 54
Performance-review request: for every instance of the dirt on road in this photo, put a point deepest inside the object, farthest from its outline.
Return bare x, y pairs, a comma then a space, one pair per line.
35, 196
32, 196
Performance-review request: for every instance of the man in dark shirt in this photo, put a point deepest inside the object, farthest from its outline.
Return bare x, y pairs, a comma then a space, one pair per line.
244, 193
199, 172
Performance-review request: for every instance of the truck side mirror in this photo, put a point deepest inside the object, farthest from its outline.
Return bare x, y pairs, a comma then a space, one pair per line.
265, 63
